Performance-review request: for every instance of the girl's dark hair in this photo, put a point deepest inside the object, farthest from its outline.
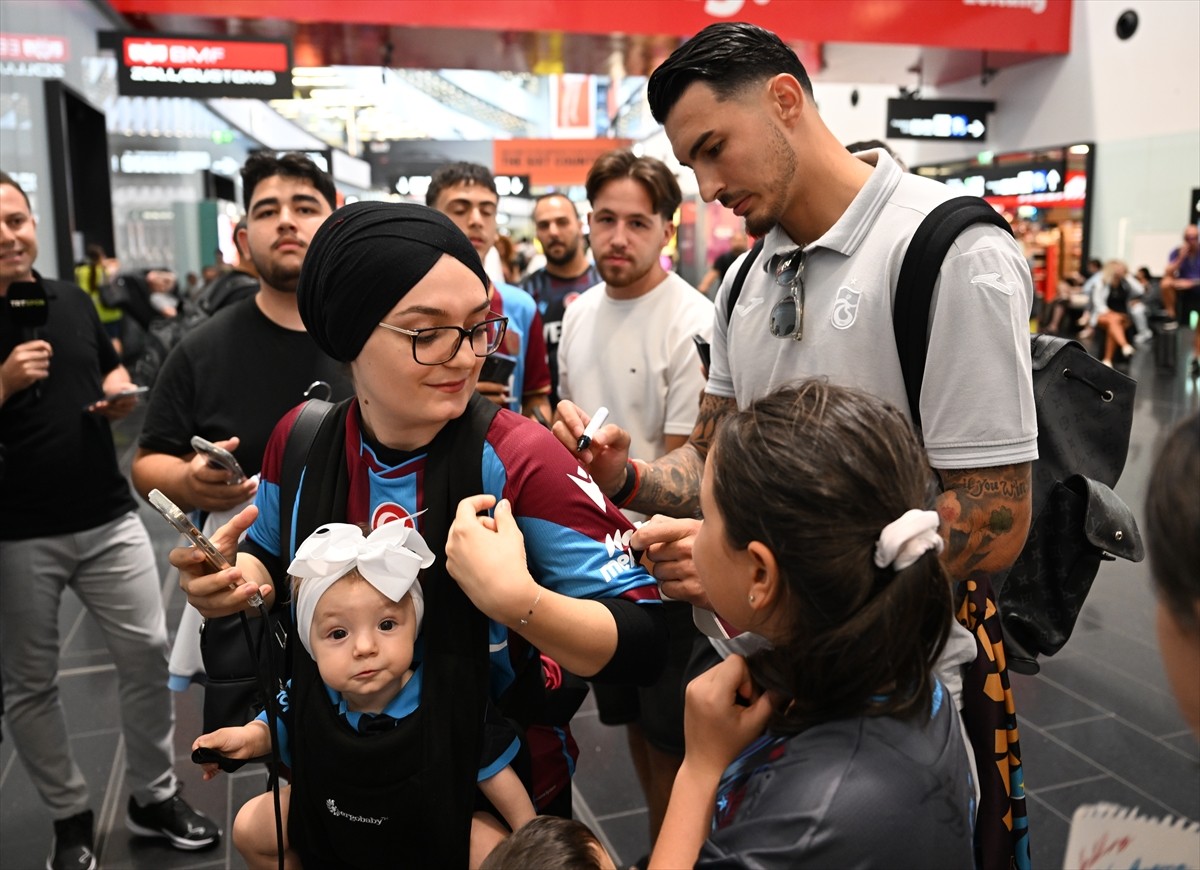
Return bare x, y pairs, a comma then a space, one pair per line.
815, 472
727, 57
1173, 522
546, 843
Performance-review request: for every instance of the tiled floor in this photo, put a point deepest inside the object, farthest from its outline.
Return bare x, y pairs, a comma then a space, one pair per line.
1097, 724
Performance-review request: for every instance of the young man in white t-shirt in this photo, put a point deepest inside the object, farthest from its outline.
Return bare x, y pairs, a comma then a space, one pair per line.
627, 345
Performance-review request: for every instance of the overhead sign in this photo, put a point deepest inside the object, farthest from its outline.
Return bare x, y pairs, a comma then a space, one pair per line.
24, 55
1037, 26
545, 162
153, 65
954, 120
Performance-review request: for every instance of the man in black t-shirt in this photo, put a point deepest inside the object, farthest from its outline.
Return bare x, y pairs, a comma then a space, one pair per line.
232, 378
67, 519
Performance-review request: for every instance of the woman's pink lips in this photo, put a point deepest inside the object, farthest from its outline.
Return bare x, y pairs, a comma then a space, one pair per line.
452, 387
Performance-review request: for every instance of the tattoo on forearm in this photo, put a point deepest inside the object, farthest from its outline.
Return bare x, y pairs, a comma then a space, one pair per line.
985, 517
671, 484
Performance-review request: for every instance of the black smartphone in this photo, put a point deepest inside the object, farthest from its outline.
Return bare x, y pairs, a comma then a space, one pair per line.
219, 457
702, 348
497, 368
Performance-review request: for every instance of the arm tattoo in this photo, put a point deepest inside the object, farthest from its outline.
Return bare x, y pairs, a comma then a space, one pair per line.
671, 484
985, 514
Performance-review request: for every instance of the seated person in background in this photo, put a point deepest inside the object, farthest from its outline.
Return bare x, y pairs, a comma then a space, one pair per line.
549, 843
1181, 288
358, 613
836, 746
1173, 541
1116, 305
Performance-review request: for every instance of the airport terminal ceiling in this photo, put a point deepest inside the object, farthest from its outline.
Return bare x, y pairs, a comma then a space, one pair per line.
856, 41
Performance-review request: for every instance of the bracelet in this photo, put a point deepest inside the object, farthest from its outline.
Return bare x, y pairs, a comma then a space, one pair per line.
524, 621
633, 480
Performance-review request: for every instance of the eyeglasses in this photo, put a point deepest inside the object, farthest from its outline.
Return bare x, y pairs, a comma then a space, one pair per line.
435, 345
787, 317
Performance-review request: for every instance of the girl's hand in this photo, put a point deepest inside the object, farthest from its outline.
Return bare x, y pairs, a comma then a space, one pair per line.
486, 555
723, 714
217, 593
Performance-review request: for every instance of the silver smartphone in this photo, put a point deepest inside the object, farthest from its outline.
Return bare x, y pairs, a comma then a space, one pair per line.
177, 518
219, 457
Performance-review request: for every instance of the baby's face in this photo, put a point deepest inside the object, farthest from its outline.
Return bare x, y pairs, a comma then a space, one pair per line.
363, 643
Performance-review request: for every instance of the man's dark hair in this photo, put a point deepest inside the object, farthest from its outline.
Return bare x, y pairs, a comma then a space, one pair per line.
727, 57
5, 178
264, 164
545, 196
547, 843
650, 172
453, 174
1172, 525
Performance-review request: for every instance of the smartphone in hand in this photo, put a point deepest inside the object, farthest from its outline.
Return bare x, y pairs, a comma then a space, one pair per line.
497, 368
219, 457
121, 394
702, 348
177, 518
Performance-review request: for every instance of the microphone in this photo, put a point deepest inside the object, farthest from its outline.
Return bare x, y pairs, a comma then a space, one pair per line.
28, 307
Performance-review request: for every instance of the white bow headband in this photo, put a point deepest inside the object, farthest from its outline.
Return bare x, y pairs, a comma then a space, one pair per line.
389, 559
907, 539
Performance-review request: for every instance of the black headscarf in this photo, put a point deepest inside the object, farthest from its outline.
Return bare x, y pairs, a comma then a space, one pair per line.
363, 259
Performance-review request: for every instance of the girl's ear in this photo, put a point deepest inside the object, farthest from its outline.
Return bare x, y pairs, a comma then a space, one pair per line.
766, 589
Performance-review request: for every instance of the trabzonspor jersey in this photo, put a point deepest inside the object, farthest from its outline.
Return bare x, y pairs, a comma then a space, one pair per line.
576, 541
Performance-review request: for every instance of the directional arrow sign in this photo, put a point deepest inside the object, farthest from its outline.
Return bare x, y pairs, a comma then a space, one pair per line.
976, 129
1052, 179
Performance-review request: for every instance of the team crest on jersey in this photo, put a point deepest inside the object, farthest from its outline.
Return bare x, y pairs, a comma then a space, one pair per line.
569, 298
845, 307
390, 512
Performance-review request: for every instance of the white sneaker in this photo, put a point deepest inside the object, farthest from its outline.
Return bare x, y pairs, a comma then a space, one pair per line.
1127, 351
1107, 362
1143, 337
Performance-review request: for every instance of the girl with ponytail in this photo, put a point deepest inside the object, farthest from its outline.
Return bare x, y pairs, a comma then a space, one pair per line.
836, 746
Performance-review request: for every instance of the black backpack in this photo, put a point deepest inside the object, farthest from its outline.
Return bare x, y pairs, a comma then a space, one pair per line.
1084, 413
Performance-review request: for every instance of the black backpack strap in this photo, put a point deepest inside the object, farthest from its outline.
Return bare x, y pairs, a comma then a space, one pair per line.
918, 275
740, 278
316, 415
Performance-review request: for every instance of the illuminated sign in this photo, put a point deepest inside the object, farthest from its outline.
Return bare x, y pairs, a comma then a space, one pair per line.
938, 119
418, 185
33, 56
153, 65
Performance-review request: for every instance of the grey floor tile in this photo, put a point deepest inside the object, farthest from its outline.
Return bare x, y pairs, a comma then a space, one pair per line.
1041, 703
605, 774
629, 835
1128, 698
1067, 800
1048, 834
1047, 764
1141, 761
1185, 743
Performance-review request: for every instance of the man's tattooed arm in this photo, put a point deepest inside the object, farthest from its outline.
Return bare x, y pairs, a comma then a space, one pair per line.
985, 515
671, 484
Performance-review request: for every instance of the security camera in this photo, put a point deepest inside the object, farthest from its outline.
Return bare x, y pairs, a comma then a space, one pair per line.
1127, 24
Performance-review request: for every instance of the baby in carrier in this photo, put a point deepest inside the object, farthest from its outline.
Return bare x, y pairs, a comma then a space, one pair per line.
358, 609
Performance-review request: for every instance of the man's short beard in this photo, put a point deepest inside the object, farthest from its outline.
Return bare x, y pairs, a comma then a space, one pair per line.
564, 260
283, 279
785, 158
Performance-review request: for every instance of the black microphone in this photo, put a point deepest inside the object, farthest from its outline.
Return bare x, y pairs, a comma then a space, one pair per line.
27, 305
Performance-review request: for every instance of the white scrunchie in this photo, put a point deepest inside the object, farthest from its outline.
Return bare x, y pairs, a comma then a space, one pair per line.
389, 559
907, 539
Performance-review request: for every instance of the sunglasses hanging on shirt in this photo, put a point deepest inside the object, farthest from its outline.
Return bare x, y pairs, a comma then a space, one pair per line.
787, 317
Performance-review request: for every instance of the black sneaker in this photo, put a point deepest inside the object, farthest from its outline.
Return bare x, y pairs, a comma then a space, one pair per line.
175, 820
72, 848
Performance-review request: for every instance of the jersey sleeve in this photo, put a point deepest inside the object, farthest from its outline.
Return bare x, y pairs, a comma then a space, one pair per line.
576, 541
264, 534
500, 743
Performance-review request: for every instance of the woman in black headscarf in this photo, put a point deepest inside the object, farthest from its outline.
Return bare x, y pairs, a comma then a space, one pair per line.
397, 292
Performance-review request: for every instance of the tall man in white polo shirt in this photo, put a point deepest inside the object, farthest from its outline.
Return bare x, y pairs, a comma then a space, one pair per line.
738, 108
627, 345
